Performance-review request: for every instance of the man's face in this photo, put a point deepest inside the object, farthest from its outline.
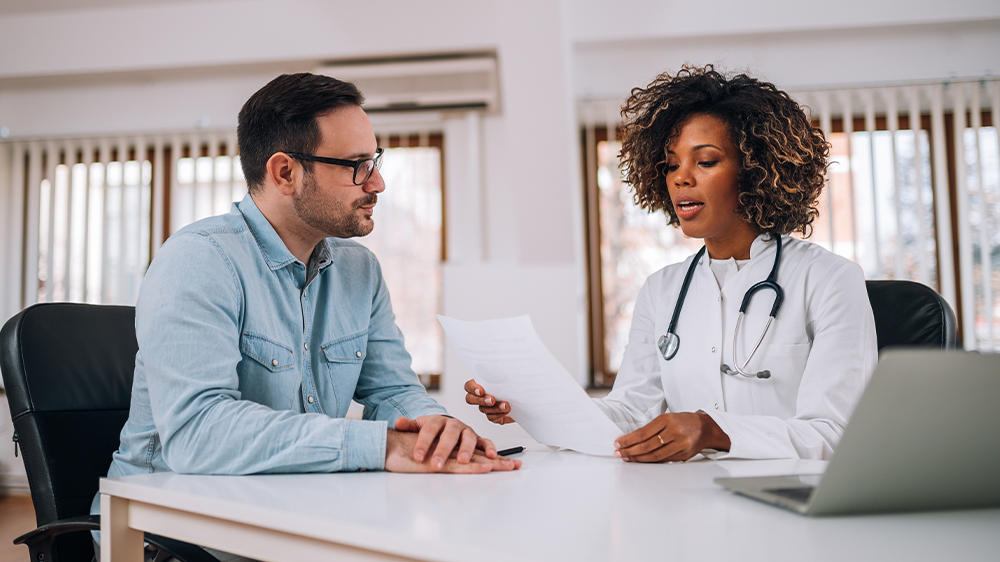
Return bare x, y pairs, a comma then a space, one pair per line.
329, 201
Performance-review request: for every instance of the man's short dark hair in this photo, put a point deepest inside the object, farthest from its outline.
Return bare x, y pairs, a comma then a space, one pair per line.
281, 117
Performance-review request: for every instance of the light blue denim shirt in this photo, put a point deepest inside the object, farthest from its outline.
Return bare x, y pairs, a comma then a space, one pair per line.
248, 360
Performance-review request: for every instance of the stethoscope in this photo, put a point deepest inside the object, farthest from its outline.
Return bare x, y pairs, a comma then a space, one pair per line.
669, 342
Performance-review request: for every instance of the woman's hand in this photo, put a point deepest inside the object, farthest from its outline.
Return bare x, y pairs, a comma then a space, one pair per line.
671, 437
496, 412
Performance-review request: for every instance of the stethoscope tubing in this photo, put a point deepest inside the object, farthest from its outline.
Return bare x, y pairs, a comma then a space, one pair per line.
779, 296
669, 343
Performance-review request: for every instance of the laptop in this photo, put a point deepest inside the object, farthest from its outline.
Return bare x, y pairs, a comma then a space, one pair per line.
925, 435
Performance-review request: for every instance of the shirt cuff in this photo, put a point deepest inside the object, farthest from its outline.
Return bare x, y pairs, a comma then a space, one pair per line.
364, 442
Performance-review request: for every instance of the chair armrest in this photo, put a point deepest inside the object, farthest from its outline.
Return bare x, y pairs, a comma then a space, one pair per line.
49, 531
41, 540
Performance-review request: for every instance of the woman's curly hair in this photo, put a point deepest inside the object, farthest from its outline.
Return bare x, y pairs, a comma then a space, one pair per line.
784, 157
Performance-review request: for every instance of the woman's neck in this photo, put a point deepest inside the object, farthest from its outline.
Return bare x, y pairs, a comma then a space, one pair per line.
735, 244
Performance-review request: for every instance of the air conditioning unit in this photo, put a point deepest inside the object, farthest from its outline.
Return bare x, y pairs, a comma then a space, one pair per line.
447, 82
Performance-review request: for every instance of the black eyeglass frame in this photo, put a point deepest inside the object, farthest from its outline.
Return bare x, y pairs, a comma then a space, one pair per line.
356, 164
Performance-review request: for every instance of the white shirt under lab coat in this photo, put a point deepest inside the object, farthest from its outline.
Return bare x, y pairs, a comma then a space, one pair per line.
821, 351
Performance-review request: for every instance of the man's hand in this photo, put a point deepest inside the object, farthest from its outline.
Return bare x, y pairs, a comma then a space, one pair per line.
441, 444
498, 413
672, 437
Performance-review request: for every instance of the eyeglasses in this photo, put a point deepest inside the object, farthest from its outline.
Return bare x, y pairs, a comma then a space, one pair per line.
362, 168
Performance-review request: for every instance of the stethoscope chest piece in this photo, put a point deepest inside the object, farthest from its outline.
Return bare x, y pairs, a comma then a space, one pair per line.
668, 344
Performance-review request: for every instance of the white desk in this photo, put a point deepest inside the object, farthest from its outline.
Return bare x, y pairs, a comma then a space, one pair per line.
559, 506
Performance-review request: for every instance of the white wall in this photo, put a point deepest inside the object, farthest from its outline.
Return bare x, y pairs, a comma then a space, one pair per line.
597, 20
795, 44
516, 239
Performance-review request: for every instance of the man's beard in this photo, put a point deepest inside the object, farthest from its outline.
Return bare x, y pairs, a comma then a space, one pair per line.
331, 217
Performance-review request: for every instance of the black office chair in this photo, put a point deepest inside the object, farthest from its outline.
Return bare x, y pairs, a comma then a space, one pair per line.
67, 369
910, 314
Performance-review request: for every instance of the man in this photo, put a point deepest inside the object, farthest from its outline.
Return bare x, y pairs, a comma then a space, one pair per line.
257, 328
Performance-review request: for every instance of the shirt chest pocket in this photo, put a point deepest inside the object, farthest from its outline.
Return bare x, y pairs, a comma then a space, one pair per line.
269, 354
347, 350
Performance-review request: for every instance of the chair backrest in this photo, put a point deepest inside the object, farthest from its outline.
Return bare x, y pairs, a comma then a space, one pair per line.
68, 372
910, 314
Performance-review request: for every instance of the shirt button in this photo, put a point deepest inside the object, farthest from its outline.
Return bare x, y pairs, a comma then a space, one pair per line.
274, 362
716, 405
713, 349
306, 346
310, 399
358, 353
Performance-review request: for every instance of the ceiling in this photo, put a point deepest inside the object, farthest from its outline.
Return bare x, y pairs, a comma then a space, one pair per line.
15, 7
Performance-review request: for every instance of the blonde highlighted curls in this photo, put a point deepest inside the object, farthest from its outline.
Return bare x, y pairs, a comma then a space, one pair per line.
784, 157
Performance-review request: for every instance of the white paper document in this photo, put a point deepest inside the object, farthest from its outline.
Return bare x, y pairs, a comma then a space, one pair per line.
508, 359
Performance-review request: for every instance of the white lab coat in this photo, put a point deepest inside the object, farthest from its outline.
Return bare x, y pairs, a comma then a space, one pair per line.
821, 351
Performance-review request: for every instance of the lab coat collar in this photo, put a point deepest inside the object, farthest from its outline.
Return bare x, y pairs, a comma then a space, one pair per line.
762, 243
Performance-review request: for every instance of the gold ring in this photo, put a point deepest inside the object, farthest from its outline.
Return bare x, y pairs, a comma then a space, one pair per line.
661, 439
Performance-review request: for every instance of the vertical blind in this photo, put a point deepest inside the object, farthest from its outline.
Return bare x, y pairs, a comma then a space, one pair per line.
81, 218
923, 149
88, 214
913, 193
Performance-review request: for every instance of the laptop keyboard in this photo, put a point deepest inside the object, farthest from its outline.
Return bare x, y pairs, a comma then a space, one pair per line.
800, 494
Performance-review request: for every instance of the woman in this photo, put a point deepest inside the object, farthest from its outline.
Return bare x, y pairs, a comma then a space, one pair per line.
735, 162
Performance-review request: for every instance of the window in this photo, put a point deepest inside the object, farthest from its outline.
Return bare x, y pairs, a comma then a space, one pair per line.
877, 208
206, 184
93, 224
98, 209
632, 244
906, 199
408, 242
923, 163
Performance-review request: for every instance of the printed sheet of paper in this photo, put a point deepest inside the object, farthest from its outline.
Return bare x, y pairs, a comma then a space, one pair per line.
508, 359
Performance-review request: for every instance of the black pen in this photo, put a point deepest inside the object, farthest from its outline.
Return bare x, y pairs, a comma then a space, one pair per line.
511, 451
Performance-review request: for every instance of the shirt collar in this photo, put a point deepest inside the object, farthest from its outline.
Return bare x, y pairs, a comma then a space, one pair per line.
321, 256
271, 245
275, 252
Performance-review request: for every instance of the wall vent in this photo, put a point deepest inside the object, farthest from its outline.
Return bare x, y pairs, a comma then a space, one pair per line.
448, 82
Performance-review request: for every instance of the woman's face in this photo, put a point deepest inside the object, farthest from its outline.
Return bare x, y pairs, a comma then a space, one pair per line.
703, 166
